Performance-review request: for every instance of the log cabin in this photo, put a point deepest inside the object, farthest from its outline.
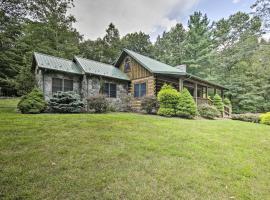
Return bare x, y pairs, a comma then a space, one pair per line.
132, 74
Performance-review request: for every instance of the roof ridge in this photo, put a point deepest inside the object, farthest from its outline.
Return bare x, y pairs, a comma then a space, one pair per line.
44, 54
94, 61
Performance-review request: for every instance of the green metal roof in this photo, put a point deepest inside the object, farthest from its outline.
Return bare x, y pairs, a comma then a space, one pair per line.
157, 67
152, 65
102, 69
55, 63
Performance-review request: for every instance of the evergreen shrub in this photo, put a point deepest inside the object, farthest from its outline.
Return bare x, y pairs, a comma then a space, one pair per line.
217, 100
186, 106
32, 103
65, 102
168, 99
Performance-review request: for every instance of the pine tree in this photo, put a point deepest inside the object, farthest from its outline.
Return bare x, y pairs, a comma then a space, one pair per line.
198, 45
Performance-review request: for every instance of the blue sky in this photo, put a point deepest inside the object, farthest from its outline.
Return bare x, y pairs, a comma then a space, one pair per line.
149, 16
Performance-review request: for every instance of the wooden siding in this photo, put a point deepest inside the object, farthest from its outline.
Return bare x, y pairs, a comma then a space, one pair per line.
136, 70
150, 91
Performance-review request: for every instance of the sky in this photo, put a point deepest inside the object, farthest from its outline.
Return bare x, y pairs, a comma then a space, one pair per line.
149, 16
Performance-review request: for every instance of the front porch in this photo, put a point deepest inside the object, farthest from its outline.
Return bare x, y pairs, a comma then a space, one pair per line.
200, 89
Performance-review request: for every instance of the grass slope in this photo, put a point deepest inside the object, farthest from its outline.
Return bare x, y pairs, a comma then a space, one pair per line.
131, 156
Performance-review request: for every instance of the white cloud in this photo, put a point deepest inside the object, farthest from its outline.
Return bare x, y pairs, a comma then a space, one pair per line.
93, 16
236, 1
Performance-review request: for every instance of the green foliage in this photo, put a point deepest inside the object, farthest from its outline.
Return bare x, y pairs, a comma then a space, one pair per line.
98, 104
168, 99
227, 102
247, 117
186, 106
169, 47
65, 102
25, 81
217, 101
33, 102
138, 42
265, 118
149, 104
207, 111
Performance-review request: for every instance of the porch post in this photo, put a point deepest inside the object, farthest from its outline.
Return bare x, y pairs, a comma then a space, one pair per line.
180, 84
206, 92
215, 91
195, 93
222, 94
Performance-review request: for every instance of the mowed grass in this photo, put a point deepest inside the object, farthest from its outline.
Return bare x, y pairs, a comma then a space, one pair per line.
130, 156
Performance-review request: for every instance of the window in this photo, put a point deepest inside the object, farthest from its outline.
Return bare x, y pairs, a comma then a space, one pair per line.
68, 85
110, 90
127, 65
139, 89
59, 84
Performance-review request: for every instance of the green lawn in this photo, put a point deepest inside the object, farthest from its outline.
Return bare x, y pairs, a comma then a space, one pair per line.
130, 156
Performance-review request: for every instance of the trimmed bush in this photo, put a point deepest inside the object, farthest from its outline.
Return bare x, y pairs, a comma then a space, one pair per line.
265, 118
217, 100
65, 102
98, 104
186, 106
32, 103
208, 111
227, 102
168, 99
149, 104
248, 117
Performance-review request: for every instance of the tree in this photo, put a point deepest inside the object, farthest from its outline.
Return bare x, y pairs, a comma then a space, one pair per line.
106, 49
198, 45
12, 14
262, 10
170, 47
138, 42
30, 26
227, 32
112, 43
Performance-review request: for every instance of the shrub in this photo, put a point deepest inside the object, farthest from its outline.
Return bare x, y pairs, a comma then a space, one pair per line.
65, 102
149, 104
126, 103
98, 104
248, 117
33, 102
218, 103
265, 118
186, 106
208, 111
227, 102
168, 99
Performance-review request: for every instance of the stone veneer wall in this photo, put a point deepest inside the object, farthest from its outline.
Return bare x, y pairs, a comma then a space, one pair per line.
85, 86
44, 81
93, 89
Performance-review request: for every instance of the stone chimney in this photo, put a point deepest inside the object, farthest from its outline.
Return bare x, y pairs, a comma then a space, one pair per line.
183, 68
